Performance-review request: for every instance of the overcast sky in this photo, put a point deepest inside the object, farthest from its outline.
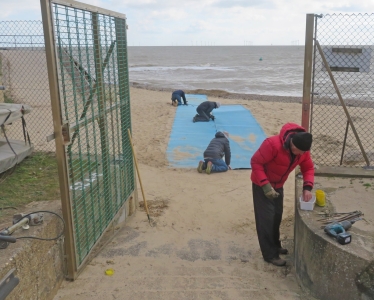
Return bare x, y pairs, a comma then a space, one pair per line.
207, 22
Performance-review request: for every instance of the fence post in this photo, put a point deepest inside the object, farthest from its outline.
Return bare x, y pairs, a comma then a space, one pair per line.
101, 101
67, 213
308, 60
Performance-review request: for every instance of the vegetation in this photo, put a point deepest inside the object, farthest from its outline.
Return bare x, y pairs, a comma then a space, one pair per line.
7, 96
34, 179
8, 99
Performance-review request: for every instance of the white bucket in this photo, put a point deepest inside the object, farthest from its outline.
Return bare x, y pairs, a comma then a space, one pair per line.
307, 205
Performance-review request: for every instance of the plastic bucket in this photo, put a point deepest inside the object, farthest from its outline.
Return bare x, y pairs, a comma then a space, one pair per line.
307, 205
320, 198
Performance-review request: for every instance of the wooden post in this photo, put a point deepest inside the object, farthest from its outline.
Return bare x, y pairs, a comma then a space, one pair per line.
308, 61
71, 263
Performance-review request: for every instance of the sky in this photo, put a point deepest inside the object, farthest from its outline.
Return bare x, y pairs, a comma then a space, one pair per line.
207, 22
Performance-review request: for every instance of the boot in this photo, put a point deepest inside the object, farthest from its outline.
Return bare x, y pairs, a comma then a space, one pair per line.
277, 261
282, 250
200, 167
209, 166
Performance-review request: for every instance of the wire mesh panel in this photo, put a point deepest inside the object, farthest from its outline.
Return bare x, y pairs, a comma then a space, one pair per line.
91, 50
343, 114
23, 72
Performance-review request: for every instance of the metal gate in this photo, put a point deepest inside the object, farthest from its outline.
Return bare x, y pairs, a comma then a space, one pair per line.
86, 51
340, 49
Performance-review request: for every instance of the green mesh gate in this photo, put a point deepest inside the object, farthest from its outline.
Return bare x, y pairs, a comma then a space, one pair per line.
88, 70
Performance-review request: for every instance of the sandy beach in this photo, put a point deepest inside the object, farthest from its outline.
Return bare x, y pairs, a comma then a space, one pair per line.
204, 244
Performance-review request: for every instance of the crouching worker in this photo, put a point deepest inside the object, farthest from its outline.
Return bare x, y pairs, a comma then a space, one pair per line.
177, 96
213, 155
204, 111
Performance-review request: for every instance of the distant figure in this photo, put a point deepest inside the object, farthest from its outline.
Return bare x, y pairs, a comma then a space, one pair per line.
177, 96
204, 111
218, 148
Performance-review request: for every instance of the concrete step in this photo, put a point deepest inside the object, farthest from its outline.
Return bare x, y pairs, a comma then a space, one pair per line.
167, 266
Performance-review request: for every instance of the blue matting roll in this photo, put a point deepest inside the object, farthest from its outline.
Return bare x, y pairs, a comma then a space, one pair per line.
189, 140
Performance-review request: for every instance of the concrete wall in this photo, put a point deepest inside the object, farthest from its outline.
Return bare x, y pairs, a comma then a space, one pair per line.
40, 264
330, 271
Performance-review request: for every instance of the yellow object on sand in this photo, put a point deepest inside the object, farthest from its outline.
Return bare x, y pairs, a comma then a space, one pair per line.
109, 272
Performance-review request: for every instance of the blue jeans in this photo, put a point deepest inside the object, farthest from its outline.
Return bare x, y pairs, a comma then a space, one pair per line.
219, 165
177, 97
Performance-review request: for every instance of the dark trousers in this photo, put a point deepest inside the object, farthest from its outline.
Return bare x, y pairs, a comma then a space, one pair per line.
202, 116
268, 215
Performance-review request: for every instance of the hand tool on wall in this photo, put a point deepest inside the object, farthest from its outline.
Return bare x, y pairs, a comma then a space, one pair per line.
338, 231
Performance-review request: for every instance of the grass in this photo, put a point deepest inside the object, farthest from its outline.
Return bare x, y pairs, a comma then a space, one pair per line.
34, 179
8, 99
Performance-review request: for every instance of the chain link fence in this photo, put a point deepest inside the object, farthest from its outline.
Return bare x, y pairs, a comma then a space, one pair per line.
343, 113
23, 72
94, 101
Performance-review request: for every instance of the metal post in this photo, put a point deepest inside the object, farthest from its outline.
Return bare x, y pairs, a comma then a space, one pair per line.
307, 83
60, 148
108, 204
121, 37
307, 71
345, 141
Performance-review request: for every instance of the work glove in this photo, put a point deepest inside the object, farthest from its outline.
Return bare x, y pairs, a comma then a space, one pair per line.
212, 117
269, 191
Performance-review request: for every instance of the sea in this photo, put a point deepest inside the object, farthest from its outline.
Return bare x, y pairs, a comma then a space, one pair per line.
259, 70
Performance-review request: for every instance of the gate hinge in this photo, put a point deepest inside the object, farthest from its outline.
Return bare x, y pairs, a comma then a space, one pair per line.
66, 133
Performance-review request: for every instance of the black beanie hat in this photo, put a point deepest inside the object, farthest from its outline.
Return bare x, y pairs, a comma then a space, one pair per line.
302, 140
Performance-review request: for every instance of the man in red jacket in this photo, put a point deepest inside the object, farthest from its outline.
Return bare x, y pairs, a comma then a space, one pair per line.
271, 164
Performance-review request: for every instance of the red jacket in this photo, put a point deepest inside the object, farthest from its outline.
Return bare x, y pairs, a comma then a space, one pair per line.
272, 162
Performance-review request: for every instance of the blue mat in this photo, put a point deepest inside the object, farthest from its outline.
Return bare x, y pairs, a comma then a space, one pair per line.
189, 140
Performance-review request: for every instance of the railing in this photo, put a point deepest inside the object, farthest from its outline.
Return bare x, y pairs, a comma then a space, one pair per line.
12, 41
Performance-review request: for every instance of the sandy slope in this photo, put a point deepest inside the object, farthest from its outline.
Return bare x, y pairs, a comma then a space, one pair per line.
204, 244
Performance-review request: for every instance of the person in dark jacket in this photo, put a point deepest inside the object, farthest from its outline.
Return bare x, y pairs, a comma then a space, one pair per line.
177, 96
214, 153
271, 164
204, 111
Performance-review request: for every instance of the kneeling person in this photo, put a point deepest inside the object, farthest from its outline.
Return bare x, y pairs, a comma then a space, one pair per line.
177, 96
213, 155
204, 111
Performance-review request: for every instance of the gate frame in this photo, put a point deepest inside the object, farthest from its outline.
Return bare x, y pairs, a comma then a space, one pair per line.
62, 140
